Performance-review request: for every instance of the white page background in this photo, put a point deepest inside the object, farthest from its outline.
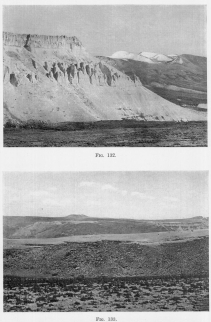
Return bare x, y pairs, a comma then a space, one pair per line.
83, 159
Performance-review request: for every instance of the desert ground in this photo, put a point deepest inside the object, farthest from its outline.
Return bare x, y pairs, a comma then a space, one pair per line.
113, 133
129, 294
52, 265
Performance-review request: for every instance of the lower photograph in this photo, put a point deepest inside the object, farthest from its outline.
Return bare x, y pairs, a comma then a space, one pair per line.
105, 241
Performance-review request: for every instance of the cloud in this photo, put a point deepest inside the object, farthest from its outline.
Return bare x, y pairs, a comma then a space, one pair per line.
173, 199
168, 206
137, 194
86, 184
141, 195
124, 192
9, 190
11, 194
14, 199
109, 187
39, 193
93, 203
56, 202
52, 189
50, 202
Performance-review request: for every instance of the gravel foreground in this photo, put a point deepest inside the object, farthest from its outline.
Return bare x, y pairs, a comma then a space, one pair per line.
109, 294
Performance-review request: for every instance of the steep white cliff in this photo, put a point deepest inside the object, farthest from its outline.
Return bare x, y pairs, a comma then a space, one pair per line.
54, 79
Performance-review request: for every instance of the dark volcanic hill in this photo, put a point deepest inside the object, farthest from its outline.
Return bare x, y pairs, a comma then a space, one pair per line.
109, 258
182, 81
73, 225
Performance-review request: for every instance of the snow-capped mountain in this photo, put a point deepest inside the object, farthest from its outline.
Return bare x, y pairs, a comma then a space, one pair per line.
181, 79
147, 57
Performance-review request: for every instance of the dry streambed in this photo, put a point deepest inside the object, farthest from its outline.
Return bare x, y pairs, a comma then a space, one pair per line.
114, 294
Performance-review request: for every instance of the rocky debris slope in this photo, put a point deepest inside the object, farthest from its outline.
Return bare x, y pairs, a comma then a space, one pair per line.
109, 258
54, 79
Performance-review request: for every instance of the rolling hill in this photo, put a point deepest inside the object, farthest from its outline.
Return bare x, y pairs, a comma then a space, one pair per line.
76, 225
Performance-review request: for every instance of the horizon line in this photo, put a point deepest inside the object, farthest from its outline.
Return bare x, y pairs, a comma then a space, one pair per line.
95, 55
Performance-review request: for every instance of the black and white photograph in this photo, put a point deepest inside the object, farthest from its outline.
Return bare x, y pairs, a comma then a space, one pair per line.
105, 75
106, 241
94, 227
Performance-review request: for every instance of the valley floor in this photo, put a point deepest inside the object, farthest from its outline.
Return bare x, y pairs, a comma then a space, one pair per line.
110, 133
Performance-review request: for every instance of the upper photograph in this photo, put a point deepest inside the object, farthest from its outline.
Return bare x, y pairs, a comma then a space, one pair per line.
105, 76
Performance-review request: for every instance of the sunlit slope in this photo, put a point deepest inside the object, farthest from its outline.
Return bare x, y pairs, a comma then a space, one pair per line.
54, 79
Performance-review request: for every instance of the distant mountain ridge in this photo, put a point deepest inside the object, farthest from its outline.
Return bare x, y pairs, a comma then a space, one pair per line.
181, 79
147, 57
76, 217
72, 225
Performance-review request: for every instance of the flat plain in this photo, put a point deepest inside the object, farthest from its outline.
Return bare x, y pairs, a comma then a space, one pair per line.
111, 133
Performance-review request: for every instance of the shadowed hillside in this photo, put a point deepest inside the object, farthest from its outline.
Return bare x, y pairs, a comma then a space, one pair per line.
109, 258
182, 81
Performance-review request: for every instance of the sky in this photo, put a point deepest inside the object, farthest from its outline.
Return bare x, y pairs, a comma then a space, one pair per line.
104, 30
137, 195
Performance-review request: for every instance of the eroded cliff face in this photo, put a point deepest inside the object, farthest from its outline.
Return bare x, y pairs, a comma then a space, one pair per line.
33, 42
54, 79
